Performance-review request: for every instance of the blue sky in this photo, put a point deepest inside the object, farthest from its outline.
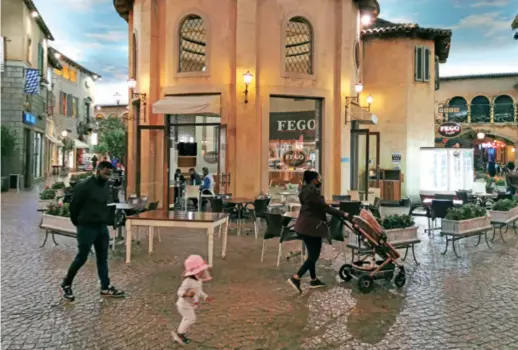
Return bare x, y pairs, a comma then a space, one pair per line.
92, 33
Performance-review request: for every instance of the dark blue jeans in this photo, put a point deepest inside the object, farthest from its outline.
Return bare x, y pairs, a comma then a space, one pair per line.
99, 237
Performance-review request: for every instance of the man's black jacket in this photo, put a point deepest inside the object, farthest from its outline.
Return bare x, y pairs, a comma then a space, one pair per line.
89, 203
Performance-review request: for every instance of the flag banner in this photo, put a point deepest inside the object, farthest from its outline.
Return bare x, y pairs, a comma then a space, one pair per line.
32, 81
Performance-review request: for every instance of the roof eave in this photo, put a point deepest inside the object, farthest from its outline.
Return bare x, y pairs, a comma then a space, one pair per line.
52, 52
123, 7
41, 23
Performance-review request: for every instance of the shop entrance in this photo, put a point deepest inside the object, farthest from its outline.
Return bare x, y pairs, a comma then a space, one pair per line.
196, 142
365, 158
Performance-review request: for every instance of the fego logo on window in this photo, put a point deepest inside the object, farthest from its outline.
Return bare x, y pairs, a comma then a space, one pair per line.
294, 158
449, 129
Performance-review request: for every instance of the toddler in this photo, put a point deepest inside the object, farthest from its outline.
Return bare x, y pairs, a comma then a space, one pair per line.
189, 295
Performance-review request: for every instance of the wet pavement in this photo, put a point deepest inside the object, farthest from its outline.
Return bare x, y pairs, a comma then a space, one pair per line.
447, 303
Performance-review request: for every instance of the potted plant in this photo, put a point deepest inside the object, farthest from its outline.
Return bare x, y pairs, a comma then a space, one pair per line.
46, 197
399, 227
503, 210
465, 218
58, 186
500, 186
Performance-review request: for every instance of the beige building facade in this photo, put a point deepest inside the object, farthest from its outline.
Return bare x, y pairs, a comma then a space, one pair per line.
484, 104
267, 80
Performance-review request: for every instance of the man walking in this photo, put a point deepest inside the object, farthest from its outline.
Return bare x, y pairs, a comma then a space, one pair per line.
90, 214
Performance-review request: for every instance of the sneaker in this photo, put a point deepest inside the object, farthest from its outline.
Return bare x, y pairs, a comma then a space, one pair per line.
112, 292
295, 283
316, 284
66, 293
180, 338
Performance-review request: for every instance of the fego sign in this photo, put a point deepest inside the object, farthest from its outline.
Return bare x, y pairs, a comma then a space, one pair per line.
449, 129
294, 158
293, 125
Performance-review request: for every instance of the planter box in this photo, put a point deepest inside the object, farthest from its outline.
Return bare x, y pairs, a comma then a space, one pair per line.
465, 225
402, 234
503, 216
43, 203
501, 189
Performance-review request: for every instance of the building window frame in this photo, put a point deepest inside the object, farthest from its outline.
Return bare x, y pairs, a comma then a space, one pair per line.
422, 63
192, 46
288, 67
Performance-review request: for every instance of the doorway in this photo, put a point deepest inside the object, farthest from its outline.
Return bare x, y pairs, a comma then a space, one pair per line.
365, 158
196, 142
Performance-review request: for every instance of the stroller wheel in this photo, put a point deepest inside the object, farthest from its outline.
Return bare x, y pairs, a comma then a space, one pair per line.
400, 280
345, 272
365, 284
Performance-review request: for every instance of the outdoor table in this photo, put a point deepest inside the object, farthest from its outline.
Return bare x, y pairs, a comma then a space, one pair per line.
428, 201
165, 218
292, 214
240, 203
284, 194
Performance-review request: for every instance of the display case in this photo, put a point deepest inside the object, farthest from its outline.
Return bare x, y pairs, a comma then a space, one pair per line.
445, 170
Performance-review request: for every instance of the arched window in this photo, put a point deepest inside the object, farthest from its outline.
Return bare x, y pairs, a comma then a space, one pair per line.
460, 104
134, 50
480, 110
504, 109
299, 46
193, 45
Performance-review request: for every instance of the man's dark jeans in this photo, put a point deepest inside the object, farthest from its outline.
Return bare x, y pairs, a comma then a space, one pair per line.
99, 237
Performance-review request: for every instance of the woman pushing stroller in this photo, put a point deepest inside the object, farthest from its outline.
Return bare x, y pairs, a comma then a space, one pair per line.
311, 225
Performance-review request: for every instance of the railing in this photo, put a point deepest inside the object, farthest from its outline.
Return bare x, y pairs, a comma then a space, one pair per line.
482, 113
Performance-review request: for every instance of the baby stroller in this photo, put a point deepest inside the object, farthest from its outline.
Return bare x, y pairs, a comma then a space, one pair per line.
372, 236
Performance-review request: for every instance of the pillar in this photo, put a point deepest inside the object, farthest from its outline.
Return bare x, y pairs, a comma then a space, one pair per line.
247, 178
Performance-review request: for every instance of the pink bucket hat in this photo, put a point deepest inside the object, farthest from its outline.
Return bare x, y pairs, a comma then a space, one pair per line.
194, 265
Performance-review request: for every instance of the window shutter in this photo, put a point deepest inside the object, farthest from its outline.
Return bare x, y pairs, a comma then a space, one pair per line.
437, 81
418, 64
426, 52
61, 111
69, 106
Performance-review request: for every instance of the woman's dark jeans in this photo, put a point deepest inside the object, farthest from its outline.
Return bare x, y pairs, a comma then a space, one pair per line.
99, 237
313, 246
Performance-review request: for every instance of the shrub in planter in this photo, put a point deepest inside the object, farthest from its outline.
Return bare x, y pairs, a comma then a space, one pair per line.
504, 210
465, 218
58, 186
58, 209
48, 194
490, 185
399, 227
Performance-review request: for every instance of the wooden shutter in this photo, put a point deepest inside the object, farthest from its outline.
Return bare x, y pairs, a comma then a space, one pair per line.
437, 81
426, 52
61, 103
418, 64
70, 109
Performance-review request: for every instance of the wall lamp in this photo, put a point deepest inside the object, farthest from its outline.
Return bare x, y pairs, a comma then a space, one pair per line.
132, 83
358, 87
247, 78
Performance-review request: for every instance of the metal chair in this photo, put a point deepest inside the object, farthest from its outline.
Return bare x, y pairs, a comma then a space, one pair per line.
277, 227
439, 210
256, 210
192, 192
418, 209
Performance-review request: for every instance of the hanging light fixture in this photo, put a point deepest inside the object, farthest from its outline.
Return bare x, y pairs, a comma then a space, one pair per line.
481, 135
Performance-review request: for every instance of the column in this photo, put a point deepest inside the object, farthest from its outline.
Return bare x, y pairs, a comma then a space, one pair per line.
248, 115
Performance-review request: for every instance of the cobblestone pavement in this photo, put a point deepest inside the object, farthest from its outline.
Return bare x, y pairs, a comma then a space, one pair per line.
448, 303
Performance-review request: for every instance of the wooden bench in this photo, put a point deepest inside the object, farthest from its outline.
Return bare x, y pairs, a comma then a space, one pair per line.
402, 244
455, 236
501, 224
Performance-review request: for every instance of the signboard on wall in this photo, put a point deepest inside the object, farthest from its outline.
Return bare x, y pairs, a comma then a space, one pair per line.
294, 158
293, 125
211, 157
396, 158
449, 129
29, 118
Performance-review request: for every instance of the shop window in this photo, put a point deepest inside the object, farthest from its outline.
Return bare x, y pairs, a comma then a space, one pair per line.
294, 139
480, 110
193, 45
422, 64
504, 109
299, 46
460, 110
73, 75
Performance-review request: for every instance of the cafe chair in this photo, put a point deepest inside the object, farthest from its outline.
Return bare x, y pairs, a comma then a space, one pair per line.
192, 192
374, 193
256, 211
465, 196
352, 208
418, 209
217, 205
205, 196
341, 198
439, 209
375, 208
277, 226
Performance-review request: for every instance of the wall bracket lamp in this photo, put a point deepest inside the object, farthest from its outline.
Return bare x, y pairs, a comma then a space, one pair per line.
247, 78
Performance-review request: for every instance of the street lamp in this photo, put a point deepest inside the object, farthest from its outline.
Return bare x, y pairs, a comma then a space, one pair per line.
132, 83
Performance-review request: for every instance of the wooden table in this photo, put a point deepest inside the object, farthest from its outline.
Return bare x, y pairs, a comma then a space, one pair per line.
240, 203
164, 218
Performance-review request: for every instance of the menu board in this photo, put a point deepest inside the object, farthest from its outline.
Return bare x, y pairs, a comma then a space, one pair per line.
446, 169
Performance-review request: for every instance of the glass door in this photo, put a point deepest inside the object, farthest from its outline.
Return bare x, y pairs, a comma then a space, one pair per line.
223, 178
151, 164
360, 162
374, 159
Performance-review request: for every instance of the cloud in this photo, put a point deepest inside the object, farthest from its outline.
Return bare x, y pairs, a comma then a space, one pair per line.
480, 3
83, 5
104, 92
490, 23
111, 35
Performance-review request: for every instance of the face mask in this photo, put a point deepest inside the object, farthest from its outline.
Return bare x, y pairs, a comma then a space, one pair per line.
318, 184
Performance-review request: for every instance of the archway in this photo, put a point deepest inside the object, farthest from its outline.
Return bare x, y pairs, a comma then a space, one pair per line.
480, 110
462, 115
504, 109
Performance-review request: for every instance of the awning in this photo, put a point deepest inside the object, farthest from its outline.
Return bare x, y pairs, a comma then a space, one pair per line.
199, 104
361, 115
80, 144
53, 139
